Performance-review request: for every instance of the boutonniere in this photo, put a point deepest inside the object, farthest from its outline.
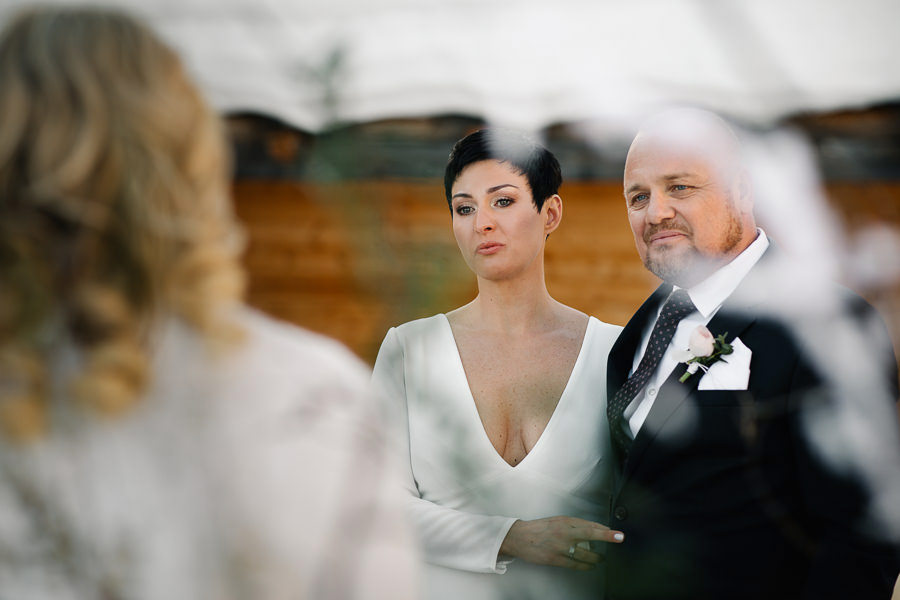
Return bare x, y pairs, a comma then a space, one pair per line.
703, 351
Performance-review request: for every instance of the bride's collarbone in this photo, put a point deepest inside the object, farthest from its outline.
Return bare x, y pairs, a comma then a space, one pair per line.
516, 366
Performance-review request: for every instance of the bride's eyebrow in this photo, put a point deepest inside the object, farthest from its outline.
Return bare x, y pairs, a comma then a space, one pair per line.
500, 187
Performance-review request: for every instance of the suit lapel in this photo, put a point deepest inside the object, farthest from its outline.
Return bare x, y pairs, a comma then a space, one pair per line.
733, 318
621, 356
671, 395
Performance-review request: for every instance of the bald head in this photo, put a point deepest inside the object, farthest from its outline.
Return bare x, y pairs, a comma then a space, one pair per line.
688, 197
695, 133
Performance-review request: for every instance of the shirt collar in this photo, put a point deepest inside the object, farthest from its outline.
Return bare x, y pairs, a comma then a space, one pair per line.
709, 294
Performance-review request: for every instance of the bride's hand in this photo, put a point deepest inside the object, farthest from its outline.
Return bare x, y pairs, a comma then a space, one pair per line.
555, 541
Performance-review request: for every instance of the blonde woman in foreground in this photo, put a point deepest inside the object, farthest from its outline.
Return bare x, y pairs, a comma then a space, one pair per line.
159, 439
501, 402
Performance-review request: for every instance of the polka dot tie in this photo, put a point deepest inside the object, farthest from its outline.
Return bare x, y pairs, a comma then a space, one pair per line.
677, 307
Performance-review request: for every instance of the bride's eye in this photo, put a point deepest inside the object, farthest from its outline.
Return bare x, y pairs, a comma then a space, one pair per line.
503, 201
464, 209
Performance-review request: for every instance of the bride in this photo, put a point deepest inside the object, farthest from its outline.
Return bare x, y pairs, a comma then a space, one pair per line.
501, 402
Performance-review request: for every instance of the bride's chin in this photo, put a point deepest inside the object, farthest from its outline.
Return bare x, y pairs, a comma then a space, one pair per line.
499, 274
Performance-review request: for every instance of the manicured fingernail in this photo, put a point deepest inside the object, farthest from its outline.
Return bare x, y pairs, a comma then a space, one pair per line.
619, 537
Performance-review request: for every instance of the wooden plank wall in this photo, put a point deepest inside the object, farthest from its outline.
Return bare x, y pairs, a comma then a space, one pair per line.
351, 259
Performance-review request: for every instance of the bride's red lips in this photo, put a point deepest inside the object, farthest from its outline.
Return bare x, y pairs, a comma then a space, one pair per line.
488, 247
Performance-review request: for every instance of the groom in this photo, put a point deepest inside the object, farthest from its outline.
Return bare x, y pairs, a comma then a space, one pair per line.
769, 472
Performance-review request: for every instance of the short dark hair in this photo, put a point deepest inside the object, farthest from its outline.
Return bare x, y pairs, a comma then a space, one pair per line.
529, 158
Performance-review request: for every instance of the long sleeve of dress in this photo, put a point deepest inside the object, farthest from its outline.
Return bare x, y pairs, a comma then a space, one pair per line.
449, 537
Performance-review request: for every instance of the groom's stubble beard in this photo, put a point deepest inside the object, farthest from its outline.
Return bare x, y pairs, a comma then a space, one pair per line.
687, 265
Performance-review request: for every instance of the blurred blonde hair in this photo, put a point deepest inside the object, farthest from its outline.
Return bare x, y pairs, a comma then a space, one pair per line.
114, 208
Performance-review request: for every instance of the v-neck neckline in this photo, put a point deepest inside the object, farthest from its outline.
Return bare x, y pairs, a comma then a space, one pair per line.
554, 416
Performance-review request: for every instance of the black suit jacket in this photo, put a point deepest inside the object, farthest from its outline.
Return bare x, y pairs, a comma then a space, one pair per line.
726, 494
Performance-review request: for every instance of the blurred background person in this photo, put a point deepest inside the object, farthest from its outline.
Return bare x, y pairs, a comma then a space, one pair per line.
500, 403
159, 439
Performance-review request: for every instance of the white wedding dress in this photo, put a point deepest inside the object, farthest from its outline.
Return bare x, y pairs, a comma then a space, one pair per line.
263, 474
463, 497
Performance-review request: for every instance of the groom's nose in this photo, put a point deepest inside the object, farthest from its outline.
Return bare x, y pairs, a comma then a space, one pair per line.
659, 208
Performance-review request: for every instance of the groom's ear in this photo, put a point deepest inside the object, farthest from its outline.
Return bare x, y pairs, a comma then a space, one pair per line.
552, 211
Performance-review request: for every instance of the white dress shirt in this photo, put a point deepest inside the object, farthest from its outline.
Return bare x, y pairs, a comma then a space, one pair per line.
708, 296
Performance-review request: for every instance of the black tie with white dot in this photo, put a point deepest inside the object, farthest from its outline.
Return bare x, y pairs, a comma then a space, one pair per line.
677, 307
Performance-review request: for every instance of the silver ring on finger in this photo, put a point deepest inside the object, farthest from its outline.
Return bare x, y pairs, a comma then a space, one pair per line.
571, 552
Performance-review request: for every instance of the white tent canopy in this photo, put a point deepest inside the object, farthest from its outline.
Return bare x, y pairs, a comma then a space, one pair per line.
530, 64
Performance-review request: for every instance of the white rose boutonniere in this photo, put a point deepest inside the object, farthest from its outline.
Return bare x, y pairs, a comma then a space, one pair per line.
702, 342
703, 351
